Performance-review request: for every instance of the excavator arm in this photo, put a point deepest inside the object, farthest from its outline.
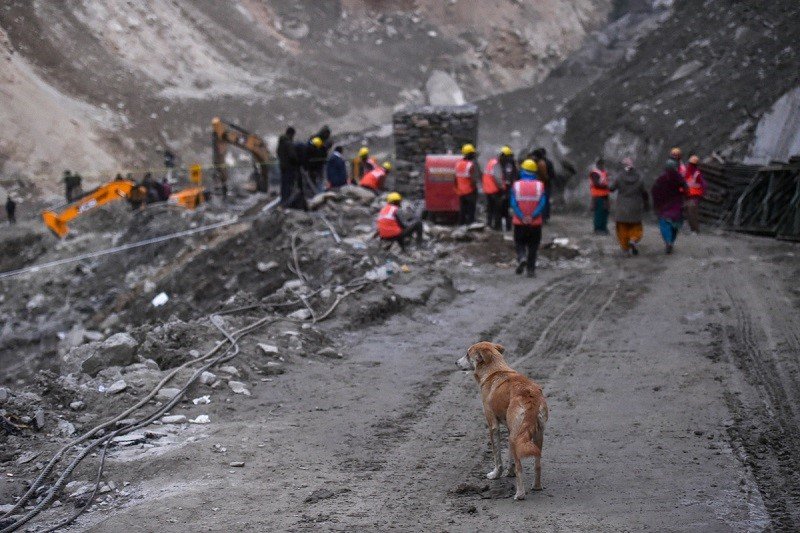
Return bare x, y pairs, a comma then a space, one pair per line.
225, 134
116, 190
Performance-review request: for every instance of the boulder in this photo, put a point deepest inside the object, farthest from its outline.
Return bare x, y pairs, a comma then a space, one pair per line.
117, 387
357, 193
117, 350
442, 89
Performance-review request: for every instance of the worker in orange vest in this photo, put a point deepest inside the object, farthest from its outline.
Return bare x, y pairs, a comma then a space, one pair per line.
363, 163
468, 172
528, 201
696, 189
391, 227
375, 178
599, 187
496, 189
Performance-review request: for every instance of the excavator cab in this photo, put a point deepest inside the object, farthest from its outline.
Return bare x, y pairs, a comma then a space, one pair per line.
225, 134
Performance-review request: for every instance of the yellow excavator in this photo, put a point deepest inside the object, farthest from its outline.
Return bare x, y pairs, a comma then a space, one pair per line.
224, 134
135, 194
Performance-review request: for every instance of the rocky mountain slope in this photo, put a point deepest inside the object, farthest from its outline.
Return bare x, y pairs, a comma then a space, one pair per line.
98, 85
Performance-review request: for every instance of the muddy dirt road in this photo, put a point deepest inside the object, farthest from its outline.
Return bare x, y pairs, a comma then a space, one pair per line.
672, 383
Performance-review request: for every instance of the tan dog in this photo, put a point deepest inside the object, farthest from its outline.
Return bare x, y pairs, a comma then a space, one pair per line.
514, 400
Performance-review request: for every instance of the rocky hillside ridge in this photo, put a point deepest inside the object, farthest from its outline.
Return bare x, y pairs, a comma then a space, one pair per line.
99, 85
702, 80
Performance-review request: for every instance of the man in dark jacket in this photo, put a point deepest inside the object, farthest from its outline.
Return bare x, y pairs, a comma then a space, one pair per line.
508, 167
336, 169
668, 193
287, 159
11, 210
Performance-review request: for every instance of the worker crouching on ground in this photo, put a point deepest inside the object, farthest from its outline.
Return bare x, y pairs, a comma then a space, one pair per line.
632, 202
668, 194
496, 191
468, 172
391, 228
599, 189
375, 179
528, 202
363, 163
696, 189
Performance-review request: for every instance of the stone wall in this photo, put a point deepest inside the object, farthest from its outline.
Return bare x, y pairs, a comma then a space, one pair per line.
422, 130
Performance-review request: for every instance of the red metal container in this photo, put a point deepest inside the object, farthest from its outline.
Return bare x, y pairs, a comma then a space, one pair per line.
440, 188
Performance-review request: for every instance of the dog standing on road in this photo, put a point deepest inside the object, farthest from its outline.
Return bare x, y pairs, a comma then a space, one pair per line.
513, 400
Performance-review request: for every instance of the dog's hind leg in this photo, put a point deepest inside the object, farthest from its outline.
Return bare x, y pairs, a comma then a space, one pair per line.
494, 440
538, 440
519, 481
522, 446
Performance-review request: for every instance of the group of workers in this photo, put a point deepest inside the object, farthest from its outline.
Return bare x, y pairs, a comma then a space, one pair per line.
676, 195
516, 197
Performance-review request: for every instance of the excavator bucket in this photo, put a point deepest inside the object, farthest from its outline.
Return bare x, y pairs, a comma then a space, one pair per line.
56, 225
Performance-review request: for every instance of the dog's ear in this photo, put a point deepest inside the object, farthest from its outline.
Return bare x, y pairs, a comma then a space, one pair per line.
500, 348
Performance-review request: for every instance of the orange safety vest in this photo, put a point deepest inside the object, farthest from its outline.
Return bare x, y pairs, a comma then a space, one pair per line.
489, 185
528, 194
388, 226
464, 183
374, 179
693, 181
596, 191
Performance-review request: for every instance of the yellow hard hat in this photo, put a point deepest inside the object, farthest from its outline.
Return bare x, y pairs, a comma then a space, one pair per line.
530, 165
467, 149
363, 152
675, 153
694, 160
316, 141
387, 165
394, 198
506, 150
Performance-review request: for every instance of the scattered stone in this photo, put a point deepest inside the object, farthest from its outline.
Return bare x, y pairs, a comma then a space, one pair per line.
4, 394
78, 488
236, 464
152, 434
6, 508
66, 428
238, 387
130, 439
269, 349
266, 267
77, 405
476, 227
36, 302
201, 419
93, 336
167, 393
300, 314
160, 299
294, 284
329, 352
273, 368
173, 419
461, 234
230, 370
151, 365
357, 193
117, 387
27, 457
38, 419
126, 422
320, 199
202, 400
323, 494
207, 378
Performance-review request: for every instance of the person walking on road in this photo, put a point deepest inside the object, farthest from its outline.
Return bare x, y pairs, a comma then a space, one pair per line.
528, 201
599, 189
539, 158
11, 210
632, 202
668, 193
494, 187
468, 172
696, 188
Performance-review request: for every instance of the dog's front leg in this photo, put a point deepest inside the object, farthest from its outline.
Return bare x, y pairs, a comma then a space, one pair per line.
494, 439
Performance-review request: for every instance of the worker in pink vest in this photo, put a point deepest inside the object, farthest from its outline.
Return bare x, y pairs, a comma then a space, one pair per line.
696, 189
528, 201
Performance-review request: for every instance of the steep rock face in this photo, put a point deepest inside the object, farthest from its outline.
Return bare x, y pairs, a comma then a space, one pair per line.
124, 77
701, 81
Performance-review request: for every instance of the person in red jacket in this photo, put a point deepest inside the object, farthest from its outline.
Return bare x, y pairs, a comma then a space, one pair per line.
599, 187
390, 225
696, 188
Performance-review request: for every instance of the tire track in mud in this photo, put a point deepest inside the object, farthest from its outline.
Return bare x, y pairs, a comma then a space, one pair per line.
766, 430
